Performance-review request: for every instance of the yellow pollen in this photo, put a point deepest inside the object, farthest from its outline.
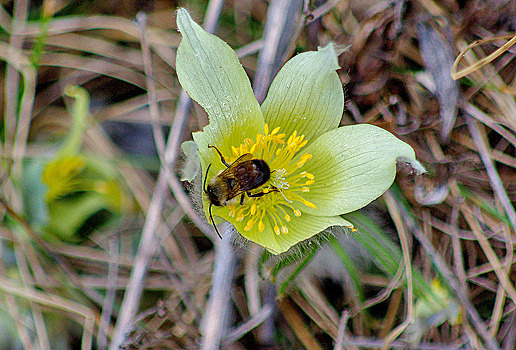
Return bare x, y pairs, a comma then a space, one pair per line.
308, 175
297, 213
275, 131
305, 189
261, 226
287, 217
276, 230
284, 229
266, 129
253, 208
309, 182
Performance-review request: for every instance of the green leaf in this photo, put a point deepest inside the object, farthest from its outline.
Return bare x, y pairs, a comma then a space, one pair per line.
307, 258
352, 166
387, 254
348, 264
306, 95
209, 70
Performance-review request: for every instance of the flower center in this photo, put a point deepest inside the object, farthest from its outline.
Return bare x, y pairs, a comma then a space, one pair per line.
284, 189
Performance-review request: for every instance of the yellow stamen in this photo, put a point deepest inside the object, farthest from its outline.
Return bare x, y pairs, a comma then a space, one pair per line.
249, 225
240, 215
309, 204
235, 151
304, 158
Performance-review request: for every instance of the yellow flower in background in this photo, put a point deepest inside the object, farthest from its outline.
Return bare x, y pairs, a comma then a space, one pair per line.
83, 191
306, 169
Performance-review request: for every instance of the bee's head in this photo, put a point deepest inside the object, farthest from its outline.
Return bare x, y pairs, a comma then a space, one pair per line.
211, 190
215, 192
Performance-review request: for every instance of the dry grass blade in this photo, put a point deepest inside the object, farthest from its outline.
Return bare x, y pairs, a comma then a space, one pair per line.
484, 61
56, 302
494, 177
400, 227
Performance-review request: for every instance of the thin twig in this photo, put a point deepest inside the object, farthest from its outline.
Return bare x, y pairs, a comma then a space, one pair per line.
12, 78
252, 279
152, 231
339, 344
214, 322
494, 177
277, 34
159, 140
248, 326
111, 282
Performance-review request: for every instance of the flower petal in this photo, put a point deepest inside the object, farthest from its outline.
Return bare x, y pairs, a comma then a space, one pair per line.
209, 70
299, 229
306, 95
352, 166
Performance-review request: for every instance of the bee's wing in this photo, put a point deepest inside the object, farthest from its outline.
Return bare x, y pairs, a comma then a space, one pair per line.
236, 176
243, 158
230, 169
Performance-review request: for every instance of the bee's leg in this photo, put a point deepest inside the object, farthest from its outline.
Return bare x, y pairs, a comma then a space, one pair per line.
221, 156
262, 193
242, 199
256, 195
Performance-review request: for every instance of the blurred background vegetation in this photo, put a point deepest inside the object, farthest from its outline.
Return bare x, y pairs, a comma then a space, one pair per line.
100, 245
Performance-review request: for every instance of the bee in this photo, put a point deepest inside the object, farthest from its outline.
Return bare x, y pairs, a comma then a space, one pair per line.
238, 179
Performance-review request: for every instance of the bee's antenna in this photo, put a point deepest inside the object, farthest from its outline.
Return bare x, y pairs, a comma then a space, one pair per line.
213, 222
206, 177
